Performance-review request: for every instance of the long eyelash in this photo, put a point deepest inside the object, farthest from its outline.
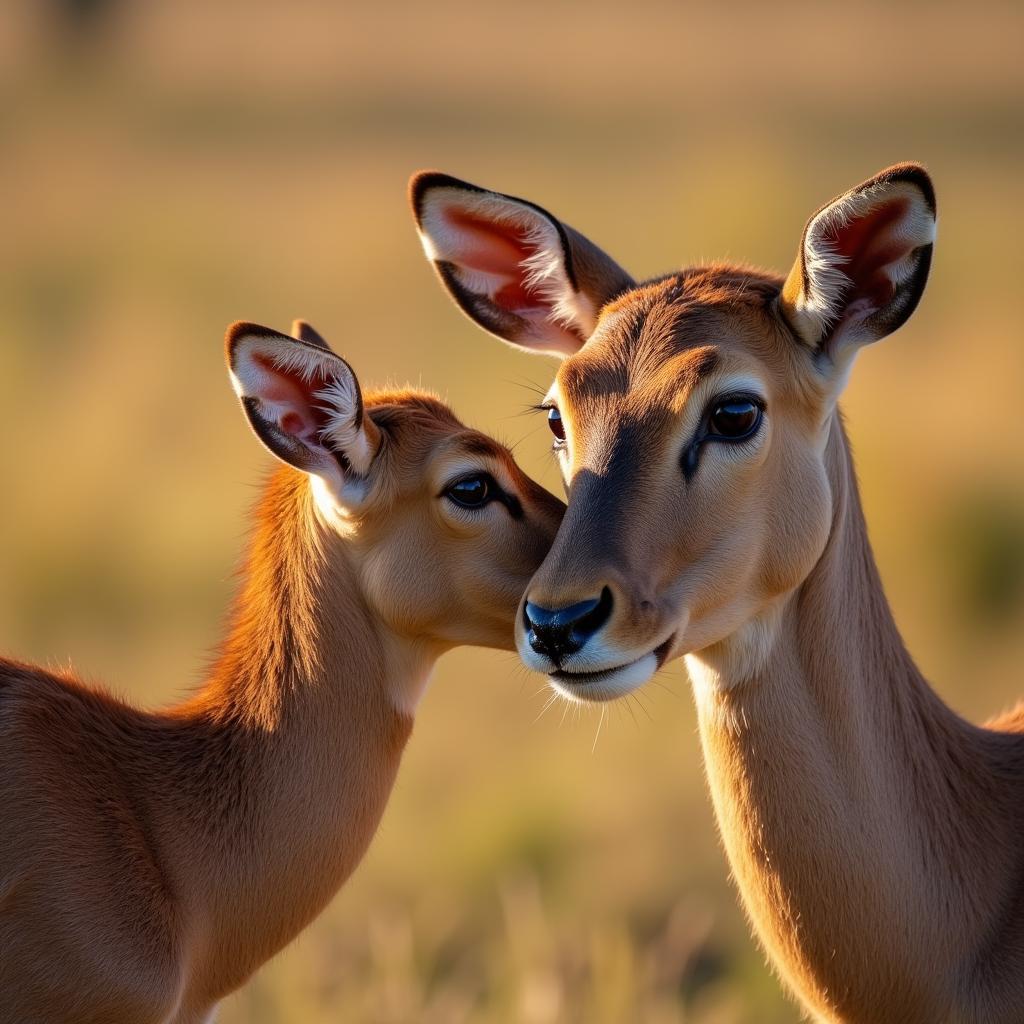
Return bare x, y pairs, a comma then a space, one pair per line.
529, 385
543, 407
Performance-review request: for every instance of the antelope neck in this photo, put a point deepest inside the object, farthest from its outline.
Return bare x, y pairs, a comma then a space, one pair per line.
277, 772
858, 812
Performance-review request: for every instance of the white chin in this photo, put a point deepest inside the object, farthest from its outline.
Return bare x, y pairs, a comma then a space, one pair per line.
582, 687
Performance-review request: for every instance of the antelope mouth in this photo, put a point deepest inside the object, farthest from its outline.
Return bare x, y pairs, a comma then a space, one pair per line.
609, 683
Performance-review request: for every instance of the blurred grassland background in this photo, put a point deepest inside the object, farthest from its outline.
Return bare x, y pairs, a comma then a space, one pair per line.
166, 168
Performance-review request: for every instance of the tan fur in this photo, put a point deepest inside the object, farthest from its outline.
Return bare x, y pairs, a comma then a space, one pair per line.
877, 839
151, 861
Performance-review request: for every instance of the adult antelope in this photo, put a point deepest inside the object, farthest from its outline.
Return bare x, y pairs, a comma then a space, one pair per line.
876, 838
150, 862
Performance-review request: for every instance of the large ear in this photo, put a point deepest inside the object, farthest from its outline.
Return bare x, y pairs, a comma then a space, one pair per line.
863, 263
305, 331
518, 272
303, 402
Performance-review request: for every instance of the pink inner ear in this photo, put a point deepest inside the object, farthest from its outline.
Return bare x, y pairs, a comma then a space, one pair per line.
871, 244
293, 423
494, 248
295, 395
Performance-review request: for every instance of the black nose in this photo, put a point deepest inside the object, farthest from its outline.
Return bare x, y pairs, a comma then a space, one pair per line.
563, 631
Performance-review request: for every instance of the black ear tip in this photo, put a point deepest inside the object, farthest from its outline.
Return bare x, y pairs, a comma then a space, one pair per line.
419, 184
423, 181
244, 329
915, 174
305, 331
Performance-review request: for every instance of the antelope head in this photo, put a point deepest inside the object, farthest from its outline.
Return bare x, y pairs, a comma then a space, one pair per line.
439, 523
691, 417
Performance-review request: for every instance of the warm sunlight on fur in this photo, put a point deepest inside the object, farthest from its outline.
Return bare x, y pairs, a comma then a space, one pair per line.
150, 862
875, 836
168, 167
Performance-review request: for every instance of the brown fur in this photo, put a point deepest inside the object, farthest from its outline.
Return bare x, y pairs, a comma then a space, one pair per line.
151, 861
874, 836
877, 839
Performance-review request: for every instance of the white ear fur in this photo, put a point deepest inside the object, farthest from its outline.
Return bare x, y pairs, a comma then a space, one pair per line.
863, 261
541, 268
345, 430
303, 402
513, 268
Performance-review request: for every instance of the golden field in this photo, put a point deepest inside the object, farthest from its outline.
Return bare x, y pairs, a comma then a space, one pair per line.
168, 168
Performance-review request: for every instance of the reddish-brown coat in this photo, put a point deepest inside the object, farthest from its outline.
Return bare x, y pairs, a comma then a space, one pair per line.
151, 861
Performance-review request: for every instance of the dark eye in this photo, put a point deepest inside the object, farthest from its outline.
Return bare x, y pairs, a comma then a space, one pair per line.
734, 419
556, 425
472, 491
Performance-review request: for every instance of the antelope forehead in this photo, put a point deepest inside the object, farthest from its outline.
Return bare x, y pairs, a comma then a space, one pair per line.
475, 453
651, 422
644, 389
